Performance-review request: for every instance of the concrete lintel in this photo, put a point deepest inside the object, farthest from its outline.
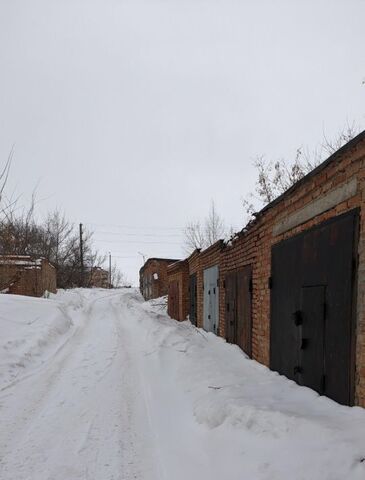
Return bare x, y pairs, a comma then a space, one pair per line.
316, 207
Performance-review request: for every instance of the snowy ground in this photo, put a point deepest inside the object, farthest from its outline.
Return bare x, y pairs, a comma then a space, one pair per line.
99, 385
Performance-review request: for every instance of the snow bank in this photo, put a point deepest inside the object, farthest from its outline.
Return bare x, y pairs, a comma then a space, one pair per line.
32, 330
113, 388
255, 423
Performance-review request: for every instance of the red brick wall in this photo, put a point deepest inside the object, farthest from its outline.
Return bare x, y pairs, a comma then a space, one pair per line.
179, 272
157, 287
28, 281
254, 247
346, 170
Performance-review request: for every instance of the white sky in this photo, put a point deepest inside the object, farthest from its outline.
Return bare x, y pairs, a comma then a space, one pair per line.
133, 115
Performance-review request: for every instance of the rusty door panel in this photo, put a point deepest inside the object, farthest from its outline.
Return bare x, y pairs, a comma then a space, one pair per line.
244, 314
314, 266
173, 303
192, 298
230, 307
238, 315
311, 371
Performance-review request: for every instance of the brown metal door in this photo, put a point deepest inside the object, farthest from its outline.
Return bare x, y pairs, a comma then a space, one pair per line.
173, 303
313, 295
238, 308
231, 317
243, 310
192, 298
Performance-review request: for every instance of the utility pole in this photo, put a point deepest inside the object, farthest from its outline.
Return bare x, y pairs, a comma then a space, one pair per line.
81, 258
110, 270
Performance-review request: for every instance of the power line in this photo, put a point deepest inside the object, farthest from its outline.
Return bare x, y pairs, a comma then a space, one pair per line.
125, 256
135, 242
144, 227
139, 234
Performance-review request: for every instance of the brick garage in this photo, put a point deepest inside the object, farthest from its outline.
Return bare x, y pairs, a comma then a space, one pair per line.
178, 290
97, 277
153, 277
317, 225
332, 189
23, 275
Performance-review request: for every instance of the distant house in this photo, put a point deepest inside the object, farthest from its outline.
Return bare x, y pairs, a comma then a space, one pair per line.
98, 278
153, 281
24, 275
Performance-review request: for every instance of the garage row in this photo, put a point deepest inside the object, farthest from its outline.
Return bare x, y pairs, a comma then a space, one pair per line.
289, 288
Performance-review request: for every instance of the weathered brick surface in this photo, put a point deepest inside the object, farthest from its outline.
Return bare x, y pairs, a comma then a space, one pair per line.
25, 276
97, 277
179, 272
153, 281
253, 246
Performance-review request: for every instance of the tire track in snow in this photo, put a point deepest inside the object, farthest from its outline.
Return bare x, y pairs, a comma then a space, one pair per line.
83, 416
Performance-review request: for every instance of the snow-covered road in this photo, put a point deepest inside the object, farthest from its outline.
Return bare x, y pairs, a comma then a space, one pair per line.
82, 415
99, 385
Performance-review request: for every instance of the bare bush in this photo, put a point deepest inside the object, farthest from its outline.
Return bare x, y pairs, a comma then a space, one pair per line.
200, 235
276, 177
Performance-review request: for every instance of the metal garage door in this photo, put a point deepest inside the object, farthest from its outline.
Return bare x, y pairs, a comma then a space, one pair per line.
192, 298
238, 317
211, 300
173, 301
312, 307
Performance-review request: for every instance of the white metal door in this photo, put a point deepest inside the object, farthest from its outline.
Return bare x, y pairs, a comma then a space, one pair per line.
211, 300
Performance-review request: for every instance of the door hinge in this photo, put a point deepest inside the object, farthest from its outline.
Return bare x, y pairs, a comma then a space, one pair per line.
270, 283
250, 286
224, 284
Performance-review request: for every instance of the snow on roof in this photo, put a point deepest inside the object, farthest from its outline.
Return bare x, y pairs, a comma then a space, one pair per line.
20, 260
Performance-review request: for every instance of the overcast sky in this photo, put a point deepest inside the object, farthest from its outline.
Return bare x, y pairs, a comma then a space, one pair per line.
133, 115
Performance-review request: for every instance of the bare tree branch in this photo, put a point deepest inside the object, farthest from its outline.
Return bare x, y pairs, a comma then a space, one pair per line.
275, 178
